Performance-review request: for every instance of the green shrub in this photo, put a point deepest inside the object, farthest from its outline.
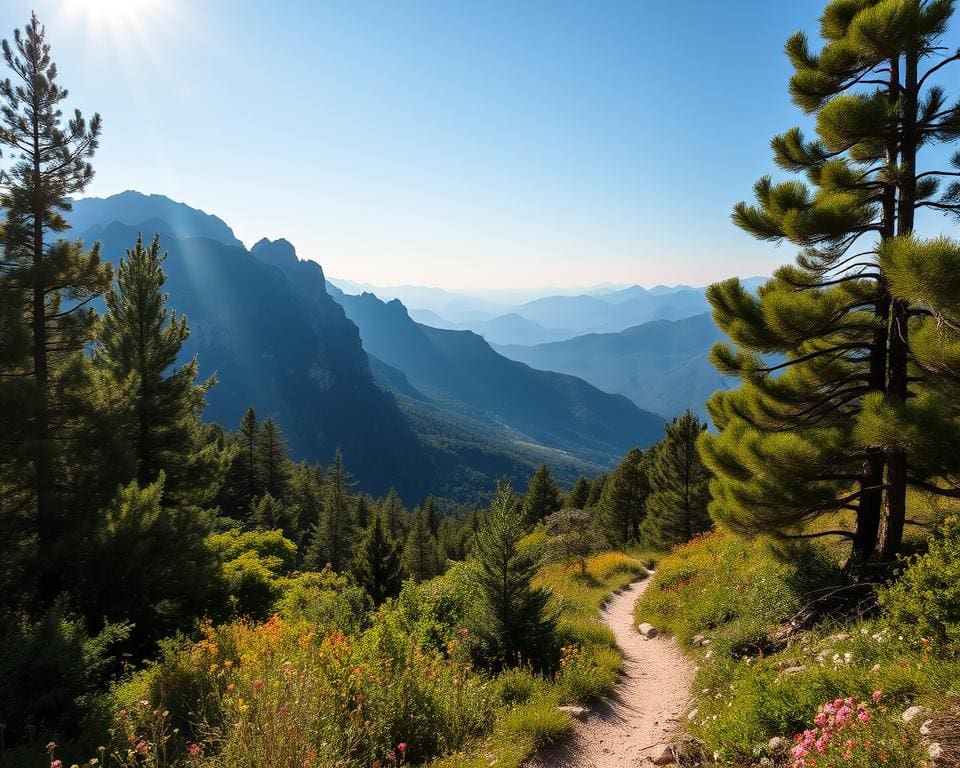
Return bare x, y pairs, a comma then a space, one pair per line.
541, 721
519, 686
925, 602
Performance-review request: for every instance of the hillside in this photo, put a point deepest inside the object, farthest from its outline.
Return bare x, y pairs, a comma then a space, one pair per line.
662, 366
559, 411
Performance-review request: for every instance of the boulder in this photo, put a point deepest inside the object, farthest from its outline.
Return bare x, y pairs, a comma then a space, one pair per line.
926, 727
661, 755
935, 751
647, 630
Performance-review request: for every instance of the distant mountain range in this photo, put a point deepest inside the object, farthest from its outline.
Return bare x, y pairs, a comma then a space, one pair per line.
557, 317
427, 410
662, 365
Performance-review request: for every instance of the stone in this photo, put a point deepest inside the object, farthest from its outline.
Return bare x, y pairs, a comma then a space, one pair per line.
661, 755
580, 713
935, 751
705, 642
912, 713
777, 744
794, 670
647, 630
926, 727
692, 714
698, 639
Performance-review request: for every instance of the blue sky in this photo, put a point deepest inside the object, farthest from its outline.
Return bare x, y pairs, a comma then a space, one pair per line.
487, 144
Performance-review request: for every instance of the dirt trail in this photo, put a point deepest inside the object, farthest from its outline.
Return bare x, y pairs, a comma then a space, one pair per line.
653, 694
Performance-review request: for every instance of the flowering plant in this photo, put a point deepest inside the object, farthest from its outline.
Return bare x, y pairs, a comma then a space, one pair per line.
853, 734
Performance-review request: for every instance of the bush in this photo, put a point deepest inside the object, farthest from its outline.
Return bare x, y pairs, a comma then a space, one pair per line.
925, 602
541, 721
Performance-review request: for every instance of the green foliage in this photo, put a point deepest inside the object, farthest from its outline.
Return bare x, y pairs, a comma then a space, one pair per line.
333, 538
149, 564
254, 567
271, 458
52, 670
579, 495
543, 496
676, 509
540, 721
516, 625
378, 567
622, 504
831, 414
138, 343
46, 285
420, 558
924, 603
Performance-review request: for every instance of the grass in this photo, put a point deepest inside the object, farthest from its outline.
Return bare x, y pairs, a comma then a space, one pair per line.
736, 595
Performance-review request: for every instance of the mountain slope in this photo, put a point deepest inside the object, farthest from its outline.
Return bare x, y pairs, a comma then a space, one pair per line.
662, 366
298, 360
558, 411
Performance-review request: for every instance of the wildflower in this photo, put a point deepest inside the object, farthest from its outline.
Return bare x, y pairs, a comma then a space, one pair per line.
876, 696
402, 747
256, 684
51, 746
56, 764
194, 749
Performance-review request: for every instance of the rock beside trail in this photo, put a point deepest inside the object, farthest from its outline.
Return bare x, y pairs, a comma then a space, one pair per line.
912, 713
580, 713
661, 755
648, 631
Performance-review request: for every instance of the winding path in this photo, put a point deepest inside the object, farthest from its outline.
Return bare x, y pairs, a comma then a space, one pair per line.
653, 694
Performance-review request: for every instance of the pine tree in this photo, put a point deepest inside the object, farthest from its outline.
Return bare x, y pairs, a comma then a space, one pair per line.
430, 510
270, 514
270, 453
392, 511
362, 512
420, 557
543, 496
580, 494
306, 496
137, 347
622, 506
333, 539
46, 286
514, 622
377, 565
676, 508
244, 483
596, 490
825, 341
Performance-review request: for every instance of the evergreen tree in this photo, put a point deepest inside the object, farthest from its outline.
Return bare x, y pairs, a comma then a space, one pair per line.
306, 496
270, 514
543, 496
46, 286
676, 508
333, 539
514, 622
623, 503
244, 483
825, 343
430, 510
271, 458
137, 347
573, 536
420, 557
580, 494
362, 513
392, 511
377, 565
596, 490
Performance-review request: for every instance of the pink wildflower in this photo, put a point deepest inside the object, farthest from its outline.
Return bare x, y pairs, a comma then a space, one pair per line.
402, 747
56, 764
194, 749
876, 696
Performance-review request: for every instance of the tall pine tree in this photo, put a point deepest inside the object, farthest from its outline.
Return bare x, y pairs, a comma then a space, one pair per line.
271, 458
46, 286
137, 347
622, 504
543, 496
825, 340
420, 558
514, 624
377, 564
333, 539
676, 508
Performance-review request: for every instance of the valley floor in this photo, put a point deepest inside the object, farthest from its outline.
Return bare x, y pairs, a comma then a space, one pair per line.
633, 725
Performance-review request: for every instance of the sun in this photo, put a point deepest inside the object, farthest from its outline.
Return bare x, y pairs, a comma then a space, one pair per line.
118, 17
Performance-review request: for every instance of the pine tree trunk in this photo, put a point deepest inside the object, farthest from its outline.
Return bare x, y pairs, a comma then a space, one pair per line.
891, 530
